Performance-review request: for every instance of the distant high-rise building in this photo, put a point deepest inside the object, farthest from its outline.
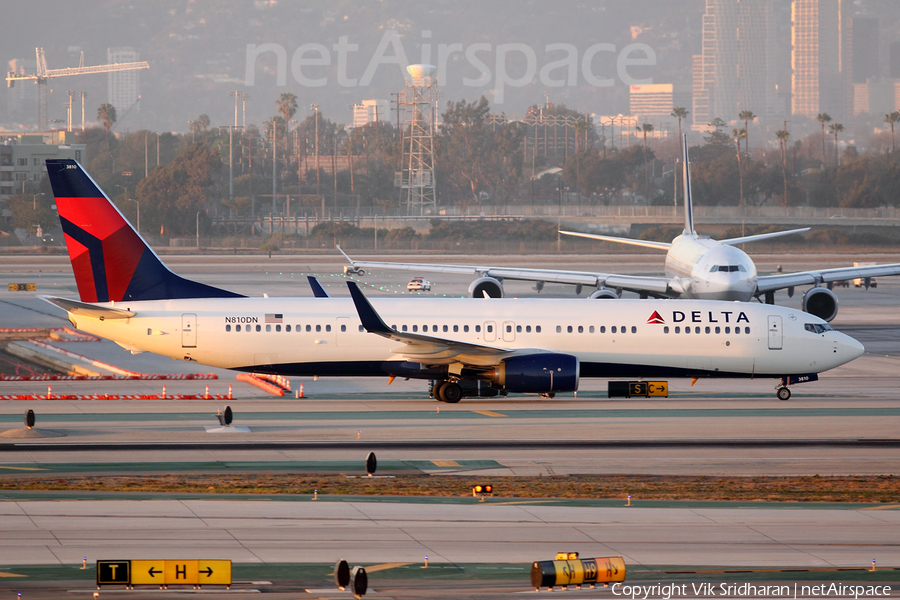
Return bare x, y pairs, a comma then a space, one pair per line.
894, 67
864, 49
369, 112
22, 98
123, 87
655, 100
735, 70
820, 58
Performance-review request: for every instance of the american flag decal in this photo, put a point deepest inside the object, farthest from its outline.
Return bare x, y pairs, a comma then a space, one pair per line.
274, 318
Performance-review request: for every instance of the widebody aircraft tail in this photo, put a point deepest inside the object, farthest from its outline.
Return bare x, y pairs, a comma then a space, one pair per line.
688, 201
110, 259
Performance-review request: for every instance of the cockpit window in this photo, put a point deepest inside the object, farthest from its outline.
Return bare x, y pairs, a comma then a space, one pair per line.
728, 269
817, 328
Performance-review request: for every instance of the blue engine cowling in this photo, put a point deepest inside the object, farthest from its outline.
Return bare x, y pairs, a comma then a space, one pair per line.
540, 373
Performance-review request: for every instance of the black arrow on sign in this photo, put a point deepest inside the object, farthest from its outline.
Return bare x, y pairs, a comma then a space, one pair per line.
208, 571
153, 572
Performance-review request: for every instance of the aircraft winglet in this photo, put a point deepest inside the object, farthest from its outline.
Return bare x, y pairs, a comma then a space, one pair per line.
317, 289
367, 315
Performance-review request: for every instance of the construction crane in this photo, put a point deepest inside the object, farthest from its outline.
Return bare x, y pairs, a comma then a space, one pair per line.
43, 74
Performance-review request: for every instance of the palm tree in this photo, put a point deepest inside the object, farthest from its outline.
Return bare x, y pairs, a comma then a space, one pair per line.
890, 119
286, 105
747, 116
203, 122
823, 118
783, 136
738, 135
107, 114
646, 128
679, 112
835, 128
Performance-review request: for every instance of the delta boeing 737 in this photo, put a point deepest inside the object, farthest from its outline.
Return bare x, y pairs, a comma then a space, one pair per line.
467, 347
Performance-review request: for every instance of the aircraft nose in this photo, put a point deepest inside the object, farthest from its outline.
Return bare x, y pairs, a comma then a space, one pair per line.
851, 349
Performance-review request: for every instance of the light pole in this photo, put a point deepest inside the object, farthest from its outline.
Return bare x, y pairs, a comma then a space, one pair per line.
138, 202
315, 107
198, 230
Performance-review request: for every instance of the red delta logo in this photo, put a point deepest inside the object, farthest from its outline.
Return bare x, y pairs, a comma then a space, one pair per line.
656, 318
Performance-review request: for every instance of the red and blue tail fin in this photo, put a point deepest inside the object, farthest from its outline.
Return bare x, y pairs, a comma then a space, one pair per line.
110, 260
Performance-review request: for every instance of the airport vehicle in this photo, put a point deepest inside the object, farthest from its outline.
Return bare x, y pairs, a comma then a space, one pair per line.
697, 266
541, 346
418, 284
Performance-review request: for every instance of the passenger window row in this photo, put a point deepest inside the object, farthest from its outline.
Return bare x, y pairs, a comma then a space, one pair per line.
708, 329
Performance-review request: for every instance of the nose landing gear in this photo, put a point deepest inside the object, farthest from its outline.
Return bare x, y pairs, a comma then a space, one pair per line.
783, 393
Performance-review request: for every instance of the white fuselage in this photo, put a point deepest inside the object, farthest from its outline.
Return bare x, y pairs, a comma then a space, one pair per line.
711, 270
308, 336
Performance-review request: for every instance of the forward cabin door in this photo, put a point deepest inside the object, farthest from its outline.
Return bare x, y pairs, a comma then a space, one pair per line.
188, 330
776, 337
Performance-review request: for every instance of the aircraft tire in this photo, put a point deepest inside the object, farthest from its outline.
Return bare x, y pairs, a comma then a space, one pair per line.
450, 392
783, 393
436, 390
360, 272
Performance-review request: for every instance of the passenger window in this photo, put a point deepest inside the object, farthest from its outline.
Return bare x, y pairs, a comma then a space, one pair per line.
237, 327
465, 329
603, 329
622, 329
287, 328
328, 328
259, 328
268, 328
592, 329
362, 329
478, 329
580, 329
318, 328
446, 329
569, 329
228, 328
415, 328
558, 329
490, 328
343, 328
666, 329
278, 328
687, 329
519, 328
678, 330
404, 328
537, 329
747, 330
728, 330
528, 329
612, 329
737, 329
308, 328
633, 329
718, 330
434, 328
509, 329
707, 330
696, 330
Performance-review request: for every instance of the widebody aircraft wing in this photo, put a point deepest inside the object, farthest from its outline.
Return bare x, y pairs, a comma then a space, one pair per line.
665, 287
770, 283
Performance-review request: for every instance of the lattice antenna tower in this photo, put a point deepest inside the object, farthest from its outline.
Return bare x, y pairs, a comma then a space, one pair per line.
417, 104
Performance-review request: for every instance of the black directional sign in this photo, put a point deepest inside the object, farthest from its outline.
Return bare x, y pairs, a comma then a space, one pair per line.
113, 572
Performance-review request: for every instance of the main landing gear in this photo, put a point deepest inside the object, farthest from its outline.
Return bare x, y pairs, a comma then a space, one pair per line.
447, 391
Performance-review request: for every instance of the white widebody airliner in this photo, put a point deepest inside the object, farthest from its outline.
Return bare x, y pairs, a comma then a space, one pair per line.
468, 347
697, 266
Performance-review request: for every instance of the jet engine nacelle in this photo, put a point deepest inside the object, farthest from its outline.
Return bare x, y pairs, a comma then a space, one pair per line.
538, 373
492, 286
604, 294
820, 302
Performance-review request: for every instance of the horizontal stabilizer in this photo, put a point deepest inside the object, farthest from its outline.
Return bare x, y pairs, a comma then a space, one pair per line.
762, 236
608, 238
88, 310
